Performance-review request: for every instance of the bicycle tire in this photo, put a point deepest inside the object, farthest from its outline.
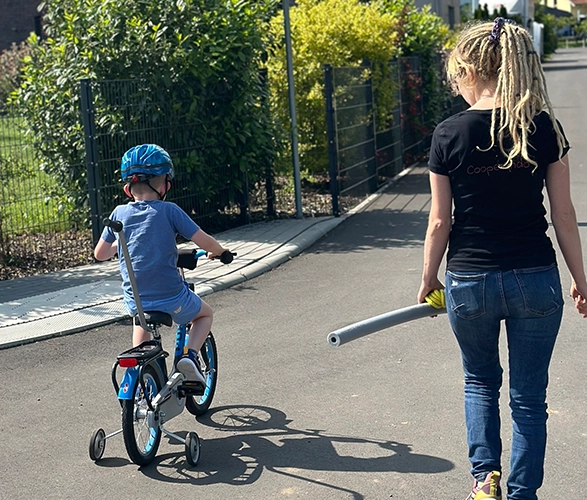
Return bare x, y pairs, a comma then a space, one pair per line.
199, 405
141, 440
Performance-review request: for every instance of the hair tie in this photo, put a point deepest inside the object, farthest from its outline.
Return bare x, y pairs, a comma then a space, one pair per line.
496, 31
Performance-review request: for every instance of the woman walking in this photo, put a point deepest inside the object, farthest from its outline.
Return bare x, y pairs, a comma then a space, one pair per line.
492, 163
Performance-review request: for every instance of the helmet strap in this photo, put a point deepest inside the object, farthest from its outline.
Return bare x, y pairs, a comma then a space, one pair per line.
128, 188
167, 187
158, 193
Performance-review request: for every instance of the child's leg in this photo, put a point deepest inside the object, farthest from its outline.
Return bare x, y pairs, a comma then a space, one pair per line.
139, 334
201, 326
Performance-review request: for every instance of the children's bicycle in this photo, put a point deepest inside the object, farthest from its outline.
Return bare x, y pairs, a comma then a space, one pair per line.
149, 396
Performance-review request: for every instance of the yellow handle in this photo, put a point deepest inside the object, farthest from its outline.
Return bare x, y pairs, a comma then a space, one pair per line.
436, 299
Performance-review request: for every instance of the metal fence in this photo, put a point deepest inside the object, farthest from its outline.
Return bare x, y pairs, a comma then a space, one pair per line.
361, 152
216, 208
37, 229
34, 227
367, 145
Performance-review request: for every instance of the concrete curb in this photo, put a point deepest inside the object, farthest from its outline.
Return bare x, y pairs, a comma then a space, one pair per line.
113, 311
282, 254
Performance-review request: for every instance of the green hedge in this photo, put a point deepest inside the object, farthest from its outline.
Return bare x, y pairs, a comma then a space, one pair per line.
204, 54
348, 33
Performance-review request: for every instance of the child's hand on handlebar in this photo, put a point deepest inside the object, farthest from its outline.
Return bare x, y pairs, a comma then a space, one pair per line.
225, 257
214, 249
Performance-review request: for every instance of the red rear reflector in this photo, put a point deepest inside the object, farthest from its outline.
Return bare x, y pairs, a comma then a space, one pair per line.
128, 362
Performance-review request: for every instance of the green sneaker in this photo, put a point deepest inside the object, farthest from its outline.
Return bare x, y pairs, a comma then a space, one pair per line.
488, 489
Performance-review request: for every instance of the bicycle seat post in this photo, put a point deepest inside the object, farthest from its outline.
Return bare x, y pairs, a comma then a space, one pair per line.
133, 282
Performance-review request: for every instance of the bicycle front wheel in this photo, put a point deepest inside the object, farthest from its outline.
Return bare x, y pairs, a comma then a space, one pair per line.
140, 439
198, 405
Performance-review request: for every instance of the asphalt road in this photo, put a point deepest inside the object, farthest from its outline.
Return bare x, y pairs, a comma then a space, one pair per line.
378, 418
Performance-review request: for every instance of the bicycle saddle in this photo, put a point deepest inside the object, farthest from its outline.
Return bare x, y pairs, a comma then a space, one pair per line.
155, 318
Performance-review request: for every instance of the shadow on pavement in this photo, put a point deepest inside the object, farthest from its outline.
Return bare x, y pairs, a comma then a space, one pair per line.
564, 67
397, 219
259, 438
376, 229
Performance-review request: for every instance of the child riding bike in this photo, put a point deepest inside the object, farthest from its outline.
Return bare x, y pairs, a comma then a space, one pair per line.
150, 225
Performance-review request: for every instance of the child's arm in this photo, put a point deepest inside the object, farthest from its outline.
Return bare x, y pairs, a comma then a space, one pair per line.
208, 243
105, 250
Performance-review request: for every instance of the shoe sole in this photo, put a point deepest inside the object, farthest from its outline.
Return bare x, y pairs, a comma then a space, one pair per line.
188, 368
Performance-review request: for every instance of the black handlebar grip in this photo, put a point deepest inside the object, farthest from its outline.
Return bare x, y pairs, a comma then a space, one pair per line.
186, 258
115, 225
226, 257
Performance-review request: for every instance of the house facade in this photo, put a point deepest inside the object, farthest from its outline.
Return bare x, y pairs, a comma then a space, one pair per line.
575, 8
18, 18
522, 8
448, 10
579, 9
564, 5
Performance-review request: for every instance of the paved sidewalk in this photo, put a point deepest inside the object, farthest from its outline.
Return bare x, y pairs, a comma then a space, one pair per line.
65, 302
61, 303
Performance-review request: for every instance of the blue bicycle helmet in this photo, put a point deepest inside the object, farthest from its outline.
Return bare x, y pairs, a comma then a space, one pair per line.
145, 161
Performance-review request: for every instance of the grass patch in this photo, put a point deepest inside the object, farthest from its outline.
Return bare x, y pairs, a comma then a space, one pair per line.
570, 43
27, 201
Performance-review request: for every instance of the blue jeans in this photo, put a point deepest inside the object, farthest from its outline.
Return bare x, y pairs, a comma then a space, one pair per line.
530, 302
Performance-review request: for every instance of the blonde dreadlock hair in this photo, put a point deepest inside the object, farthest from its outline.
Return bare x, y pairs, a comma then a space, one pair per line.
502, 53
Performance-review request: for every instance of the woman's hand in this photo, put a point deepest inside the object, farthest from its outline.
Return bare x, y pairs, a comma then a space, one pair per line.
579, 295
426, 288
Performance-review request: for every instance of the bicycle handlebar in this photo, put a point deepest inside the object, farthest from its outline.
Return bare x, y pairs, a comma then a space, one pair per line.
227, 256
115, 225
186, 258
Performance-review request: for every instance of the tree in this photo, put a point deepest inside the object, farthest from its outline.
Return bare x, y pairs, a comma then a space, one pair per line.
551, 24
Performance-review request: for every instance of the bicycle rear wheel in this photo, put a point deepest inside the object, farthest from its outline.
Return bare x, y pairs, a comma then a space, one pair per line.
198, 405
140, 439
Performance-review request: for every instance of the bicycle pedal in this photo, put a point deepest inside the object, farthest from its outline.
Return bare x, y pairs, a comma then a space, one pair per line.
193, 388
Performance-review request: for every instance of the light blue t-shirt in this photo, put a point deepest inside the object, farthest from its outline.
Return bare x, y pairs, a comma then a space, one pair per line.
150, 228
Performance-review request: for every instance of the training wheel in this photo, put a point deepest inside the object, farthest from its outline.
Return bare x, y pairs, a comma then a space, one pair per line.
192, 448
97, 444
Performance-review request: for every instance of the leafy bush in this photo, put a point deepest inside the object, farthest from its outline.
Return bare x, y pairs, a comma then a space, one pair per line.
551, 24
199, 60
423, 34
336, 32
11, 61
348, 33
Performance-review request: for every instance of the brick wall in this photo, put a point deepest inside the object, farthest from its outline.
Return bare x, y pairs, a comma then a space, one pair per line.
17, 20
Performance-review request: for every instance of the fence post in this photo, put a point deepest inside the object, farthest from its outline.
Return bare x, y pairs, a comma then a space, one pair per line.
87, 104
268, 167
331, 137
372, 170
244, 200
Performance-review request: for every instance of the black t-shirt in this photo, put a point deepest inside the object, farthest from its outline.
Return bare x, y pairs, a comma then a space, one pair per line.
499, 215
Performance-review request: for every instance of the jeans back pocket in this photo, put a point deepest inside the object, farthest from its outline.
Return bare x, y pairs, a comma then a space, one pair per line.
541, 289
466, 294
